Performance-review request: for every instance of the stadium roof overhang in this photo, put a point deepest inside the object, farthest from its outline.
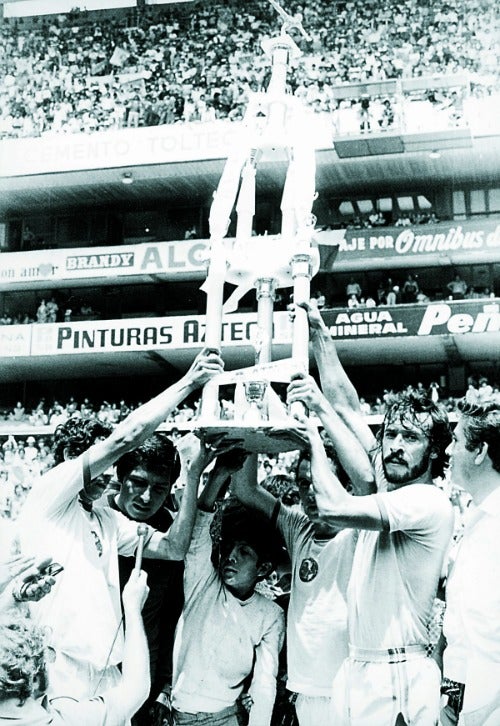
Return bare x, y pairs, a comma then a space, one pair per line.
381, 165
394, 352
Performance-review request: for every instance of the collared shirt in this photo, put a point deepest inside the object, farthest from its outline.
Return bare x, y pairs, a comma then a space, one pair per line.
472, 618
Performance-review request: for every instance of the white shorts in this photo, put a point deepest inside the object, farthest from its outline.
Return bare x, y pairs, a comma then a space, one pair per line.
373, 694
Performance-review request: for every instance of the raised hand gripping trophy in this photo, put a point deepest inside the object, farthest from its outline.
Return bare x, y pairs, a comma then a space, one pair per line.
275, 123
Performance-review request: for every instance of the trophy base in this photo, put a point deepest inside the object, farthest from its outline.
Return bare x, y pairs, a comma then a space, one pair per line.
265, 438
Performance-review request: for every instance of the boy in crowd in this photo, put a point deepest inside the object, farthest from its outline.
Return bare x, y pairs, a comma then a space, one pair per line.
227, 633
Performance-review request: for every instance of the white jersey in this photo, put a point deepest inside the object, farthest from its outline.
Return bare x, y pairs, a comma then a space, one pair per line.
317, 637
396, 572
82, 611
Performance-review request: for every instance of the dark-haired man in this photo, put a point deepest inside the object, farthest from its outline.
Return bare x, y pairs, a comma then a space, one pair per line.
471, 662
146, 476
83, 610
404, 532
227, 631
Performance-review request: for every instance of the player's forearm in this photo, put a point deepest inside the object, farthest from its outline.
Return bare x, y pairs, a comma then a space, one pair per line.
244, 486
142, 422
136, 678
350, 452
262, 707
334, 380
212, 490
329, 493
181, 530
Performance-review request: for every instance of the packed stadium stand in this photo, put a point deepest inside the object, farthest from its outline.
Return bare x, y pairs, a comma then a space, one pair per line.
114, 128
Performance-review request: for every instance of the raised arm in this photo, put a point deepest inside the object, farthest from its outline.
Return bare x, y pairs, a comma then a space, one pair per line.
174, 544
335, 382
218, 479
142, 422
245, 487
336, 507
351, 454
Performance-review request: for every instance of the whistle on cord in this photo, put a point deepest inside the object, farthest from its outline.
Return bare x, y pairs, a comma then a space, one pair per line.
141, 533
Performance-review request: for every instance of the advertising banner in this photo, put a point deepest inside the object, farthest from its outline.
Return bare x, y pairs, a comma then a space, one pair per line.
470, 240
453, 318
143, 334
168, 259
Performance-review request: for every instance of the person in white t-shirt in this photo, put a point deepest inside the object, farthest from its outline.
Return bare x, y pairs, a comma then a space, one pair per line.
228, 634
404, 533
471, 660
60, 515
317, 636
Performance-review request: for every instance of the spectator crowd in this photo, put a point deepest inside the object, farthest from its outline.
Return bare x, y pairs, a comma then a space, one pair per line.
25, 457
82, 73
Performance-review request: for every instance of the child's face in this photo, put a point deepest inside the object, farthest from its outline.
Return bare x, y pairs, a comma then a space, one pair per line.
240, 568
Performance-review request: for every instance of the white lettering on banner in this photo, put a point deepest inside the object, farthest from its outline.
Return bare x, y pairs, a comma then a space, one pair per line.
194, 331
115, 337
178, 256
367, 322
92, 262
354, 245
441, 315
410, 242
382, 242
407, 242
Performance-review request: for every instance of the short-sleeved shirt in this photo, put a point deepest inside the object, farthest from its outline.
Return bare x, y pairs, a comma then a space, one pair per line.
396, 571
83, 609
317, 638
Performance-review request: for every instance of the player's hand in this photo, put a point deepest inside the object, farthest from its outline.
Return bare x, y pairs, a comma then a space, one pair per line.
246, 701
307, 430
305, 389
231, 461
205, 366
135, 592
316, 322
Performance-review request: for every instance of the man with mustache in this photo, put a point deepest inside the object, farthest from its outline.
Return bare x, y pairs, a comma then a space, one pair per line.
404, 531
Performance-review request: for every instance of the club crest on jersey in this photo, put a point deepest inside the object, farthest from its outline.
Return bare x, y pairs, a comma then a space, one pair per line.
308, 569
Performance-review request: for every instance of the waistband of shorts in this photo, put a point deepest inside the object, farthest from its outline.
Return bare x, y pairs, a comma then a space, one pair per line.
388, 655
200, 715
